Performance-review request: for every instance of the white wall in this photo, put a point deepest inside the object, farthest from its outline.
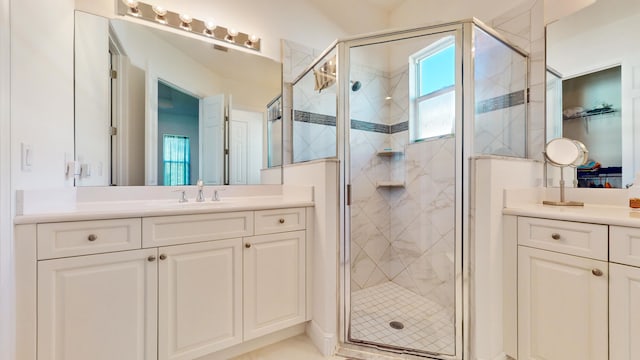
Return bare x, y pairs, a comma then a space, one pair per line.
6, 247
323, 176
490, 339
42, 90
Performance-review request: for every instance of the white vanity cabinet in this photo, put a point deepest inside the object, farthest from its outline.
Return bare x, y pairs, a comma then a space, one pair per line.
199, 298
578, 289
562, 306
100, 307
562, 290
624, 292
274, 282
166, 287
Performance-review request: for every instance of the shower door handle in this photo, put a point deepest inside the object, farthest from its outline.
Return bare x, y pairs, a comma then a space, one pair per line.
348, 194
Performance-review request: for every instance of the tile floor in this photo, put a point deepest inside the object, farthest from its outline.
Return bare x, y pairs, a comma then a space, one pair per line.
428, 326
295, 348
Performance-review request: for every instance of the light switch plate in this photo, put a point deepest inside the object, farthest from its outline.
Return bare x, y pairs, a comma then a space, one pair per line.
26, 157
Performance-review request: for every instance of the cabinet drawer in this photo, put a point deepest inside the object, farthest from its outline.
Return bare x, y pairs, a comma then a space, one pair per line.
173, 230
279, 220
574, 238
87, 237
624, 245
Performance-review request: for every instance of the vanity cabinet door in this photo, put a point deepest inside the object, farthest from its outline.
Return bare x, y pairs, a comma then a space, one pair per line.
562, 306
99, 307
624, 297
199, 298
274, 282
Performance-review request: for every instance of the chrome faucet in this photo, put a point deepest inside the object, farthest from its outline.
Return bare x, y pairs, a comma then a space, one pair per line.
200, 196
216, 196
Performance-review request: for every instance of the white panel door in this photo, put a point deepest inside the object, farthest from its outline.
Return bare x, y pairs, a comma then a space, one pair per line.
624, 312
98, 307
212, 140
562, 306
246, 147
199, 298
238, 143
274, 282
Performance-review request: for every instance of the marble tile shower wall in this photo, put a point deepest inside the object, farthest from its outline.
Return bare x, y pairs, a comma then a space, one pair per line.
404, 235
295, 59
524, 27
499, 84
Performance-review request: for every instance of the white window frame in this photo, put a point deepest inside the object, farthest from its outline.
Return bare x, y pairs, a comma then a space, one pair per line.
414, 87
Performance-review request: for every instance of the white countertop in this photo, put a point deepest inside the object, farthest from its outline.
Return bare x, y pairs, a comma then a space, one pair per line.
144, 208
589, 213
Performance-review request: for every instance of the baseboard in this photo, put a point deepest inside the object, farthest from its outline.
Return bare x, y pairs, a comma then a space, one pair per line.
255, 344
326, 343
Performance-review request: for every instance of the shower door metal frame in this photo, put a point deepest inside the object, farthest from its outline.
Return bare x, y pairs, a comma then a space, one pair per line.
463, 46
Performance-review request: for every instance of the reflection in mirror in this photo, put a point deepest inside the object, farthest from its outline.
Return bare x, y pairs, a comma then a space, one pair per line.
594, 57
175, 109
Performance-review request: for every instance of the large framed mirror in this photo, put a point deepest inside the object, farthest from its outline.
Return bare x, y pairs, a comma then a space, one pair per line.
156, 107
593, 89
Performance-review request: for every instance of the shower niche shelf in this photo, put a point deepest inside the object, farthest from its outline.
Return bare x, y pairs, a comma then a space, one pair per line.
390, 184
394, 156
390, 153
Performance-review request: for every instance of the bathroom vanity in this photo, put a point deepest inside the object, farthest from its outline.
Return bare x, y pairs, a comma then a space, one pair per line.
160, 279
578, 280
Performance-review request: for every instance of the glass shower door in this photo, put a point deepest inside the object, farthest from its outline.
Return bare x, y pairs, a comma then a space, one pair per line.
405, 101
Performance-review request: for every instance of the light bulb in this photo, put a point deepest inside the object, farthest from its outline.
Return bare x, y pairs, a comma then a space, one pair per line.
187, 19
185, 22
251, 41
231, 34
159, 10
133, 7
130, 3
210, 24
160, 13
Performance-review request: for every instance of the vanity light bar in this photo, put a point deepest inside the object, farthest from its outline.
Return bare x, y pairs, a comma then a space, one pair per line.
185, 22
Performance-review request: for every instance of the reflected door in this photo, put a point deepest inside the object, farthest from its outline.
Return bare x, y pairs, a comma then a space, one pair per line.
212, 138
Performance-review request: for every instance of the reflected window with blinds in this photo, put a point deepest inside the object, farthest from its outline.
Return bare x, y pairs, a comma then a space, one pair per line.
176, 160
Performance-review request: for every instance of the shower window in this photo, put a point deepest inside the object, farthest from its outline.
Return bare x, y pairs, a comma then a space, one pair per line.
176, 160
432, 88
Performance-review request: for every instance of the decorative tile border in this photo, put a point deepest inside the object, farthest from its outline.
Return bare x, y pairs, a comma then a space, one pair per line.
312, 118
500, 102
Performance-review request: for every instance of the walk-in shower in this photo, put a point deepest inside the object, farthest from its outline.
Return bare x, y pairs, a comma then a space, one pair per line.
428, 100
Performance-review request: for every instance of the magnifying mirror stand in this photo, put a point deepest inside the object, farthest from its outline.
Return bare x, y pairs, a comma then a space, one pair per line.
562, 201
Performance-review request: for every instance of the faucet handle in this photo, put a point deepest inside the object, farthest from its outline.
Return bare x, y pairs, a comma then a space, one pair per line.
200, 184
216, 195
183, 196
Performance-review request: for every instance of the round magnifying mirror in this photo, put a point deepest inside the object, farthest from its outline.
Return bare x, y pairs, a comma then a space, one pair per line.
565, 152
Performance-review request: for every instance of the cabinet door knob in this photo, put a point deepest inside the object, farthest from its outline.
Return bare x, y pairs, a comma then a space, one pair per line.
597, 272
281, 220
163, 256
92, 237
555, 236
151, 258
247, 245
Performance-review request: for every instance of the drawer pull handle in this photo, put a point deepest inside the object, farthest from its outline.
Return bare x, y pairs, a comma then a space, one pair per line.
151, 258
247, 245
163, 256
92, 237
281, 220
597, 272
555, 236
